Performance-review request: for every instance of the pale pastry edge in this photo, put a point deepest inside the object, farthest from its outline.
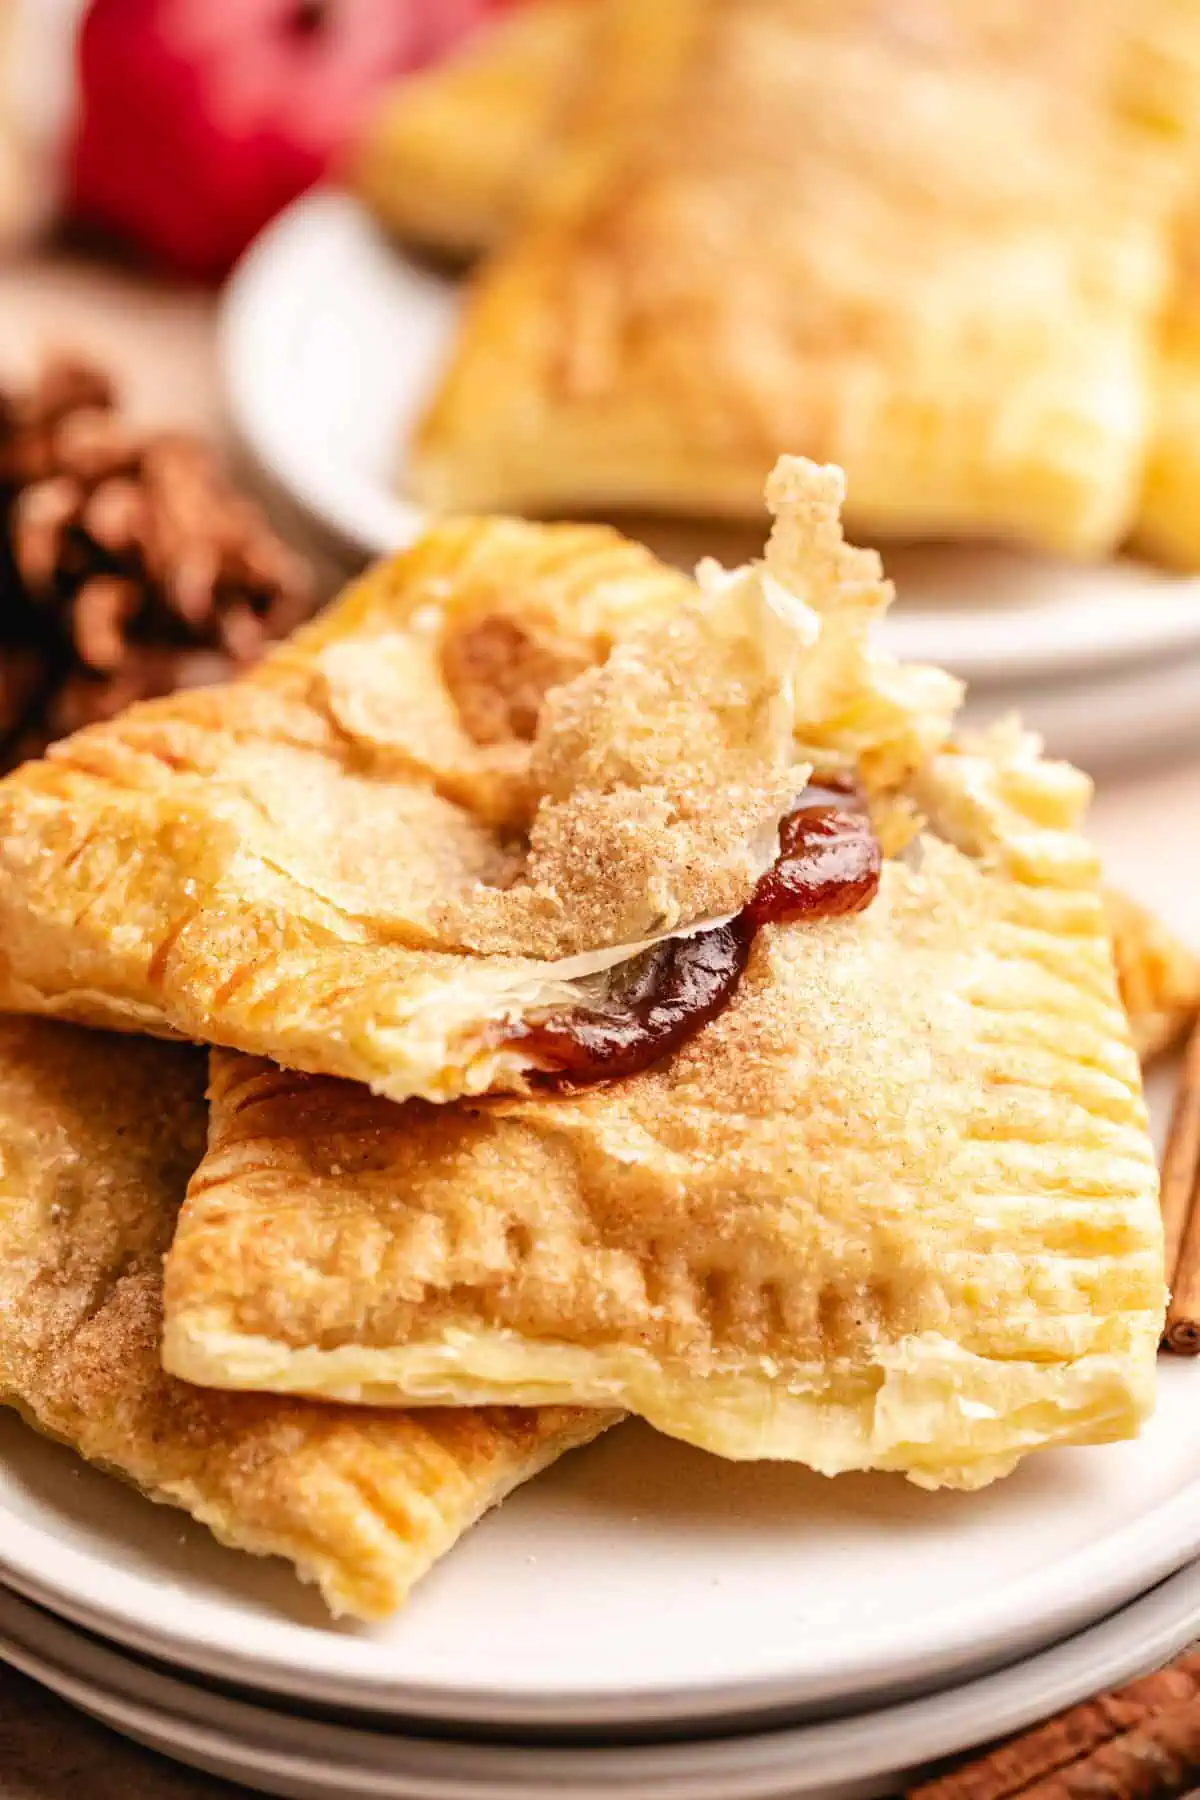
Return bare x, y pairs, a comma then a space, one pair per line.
1099, 1397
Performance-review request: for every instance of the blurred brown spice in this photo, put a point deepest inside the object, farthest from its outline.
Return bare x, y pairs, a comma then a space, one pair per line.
129, 566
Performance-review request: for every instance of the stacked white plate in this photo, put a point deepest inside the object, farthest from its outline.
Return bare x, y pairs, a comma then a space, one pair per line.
332, 341
642, 1616
281, 1749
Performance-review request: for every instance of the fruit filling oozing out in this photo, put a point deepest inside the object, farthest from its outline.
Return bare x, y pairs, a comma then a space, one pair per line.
829, 862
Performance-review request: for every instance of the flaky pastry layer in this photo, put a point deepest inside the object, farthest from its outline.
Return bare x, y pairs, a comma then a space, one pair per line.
98, 1136
895, 1209
505, 760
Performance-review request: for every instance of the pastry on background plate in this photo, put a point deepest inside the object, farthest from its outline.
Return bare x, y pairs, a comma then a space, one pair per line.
458, 187
1158, 976
932, 249
447, 156
473, 790
98, 1136
892, 1206
1168, 525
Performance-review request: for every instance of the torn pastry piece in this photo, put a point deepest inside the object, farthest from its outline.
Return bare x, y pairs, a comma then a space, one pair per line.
447, 156
932, 250
507, 761
1158, 976
98, 1136
893, 1207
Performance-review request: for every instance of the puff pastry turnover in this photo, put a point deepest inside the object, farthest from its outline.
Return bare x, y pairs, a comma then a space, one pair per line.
894, 1208
505, 761
97, 1139
930, 247
449, 154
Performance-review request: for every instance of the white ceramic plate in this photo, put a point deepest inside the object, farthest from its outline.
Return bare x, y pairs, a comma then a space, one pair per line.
1109, 722
640, 1583
847, 1759
332, 339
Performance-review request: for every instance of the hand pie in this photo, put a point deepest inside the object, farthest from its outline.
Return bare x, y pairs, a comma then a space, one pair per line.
1158, 977
472, 791
893, 1208
930, 248
98, 1136
448, 155
452, 157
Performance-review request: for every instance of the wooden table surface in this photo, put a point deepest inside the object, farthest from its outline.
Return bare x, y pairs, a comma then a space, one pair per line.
160, 339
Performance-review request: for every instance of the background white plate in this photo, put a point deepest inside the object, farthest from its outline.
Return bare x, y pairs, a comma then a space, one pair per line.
640, 1582
332, 339
849, 1759
1118, 719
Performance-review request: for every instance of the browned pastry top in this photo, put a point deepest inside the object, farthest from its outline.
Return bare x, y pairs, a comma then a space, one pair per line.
926, 241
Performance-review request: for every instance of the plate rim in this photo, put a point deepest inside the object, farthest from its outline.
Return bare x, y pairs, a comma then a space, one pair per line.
1095, 1580
241, 327
374, 521
1160, 1623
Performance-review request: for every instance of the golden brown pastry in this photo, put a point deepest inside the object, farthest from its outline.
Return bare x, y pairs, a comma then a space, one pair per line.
471, 791
1168, 526
894, 1208
98, 1136
451, 159
1158, 977
447, 156
927, 242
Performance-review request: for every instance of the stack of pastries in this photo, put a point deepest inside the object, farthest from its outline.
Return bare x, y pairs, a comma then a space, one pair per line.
551, 987
950, 245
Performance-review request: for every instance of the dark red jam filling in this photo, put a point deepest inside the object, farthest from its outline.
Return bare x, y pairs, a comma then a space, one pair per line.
829, 863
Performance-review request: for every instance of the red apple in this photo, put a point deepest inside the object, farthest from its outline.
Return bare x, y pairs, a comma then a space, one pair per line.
199, 119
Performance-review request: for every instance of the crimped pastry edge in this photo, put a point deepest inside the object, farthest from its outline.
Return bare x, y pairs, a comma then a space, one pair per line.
366, 1596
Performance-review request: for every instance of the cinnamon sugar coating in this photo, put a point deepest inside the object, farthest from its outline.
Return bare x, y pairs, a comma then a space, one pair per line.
510, 745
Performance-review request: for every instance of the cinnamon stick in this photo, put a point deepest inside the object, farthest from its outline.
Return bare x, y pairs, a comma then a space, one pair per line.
1031, 1764
1181, 1208
1159, 1761
1182, 1334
